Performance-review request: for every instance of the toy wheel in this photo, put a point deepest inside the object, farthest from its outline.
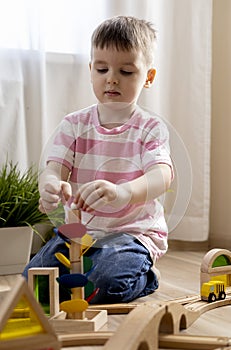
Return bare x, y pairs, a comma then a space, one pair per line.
212, 298
222, 295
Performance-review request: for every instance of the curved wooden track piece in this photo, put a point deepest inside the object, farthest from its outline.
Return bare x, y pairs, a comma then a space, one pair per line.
161, 324
166, 341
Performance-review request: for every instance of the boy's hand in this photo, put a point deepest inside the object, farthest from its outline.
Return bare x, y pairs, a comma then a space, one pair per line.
52, 192
96, 194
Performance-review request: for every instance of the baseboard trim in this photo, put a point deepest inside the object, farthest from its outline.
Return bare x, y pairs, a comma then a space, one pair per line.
220, 242
187, 245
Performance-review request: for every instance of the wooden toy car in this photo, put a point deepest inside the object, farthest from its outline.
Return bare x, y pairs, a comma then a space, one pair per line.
213, 290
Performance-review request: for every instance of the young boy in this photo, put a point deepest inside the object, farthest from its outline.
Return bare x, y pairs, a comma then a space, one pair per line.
112, 161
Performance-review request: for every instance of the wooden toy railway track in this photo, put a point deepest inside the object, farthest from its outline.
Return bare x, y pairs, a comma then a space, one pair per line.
192, 303
160, 327
161, 323
197, 305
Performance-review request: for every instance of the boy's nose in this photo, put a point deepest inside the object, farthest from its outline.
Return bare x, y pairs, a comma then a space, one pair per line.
112, 79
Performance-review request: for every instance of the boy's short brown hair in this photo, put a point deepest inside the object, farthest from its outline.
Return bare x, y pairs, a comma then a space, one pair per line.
126, 33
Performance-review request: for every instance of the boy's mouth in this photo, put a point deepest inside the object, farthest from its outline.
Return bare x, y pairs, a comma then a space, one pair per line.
112, 93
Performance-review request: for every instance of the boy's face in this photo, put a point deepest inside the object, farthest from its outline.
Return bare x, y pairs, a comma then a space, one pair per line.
117, 76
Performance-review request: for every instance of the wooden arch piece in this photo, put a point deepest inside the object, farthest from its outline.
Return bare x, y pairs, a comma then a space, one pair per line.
207, 261
207, 269
150, 326
140, 328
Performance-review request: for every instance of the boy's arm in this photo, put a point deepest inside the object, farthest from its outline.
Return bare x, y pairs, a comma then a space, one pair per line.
53, 186
150, 185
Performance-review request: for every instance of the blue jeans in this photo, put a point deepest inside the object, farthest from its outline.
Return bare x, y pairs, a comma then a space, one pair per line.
122, 267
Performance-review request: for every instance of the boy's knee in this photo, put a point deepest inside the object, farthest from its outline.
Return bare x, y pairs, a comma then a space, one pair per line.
115, 289
25, 273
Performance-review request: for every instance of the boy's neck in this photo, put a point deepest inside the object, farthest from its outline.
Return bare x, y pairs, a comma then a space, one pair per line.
113, 114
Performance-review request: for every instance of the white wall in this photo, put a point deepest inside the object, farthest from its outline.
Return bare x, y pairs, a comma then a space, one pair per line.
220, 211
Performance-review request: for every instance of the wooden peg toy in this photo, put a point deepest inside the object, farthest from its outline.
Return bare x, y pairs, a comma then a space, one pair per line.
76, 309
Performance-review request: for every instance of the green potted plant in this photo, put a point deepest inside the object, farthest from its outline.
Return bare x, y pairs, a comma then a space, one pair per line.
19, 196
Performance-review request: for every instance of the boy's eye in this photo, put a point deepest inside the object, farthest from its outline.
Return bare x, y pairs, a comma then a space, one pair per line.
124, 72
102, 70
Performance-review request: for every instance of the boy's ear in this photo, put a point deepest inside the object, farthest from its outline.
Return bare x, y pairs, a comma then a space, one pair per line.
90, 66
150, 77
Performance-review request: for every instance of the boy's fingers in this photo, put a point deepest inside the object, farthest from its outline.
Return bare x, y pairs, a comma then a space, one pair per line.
53, 188
41, 208
45, 206
66, 190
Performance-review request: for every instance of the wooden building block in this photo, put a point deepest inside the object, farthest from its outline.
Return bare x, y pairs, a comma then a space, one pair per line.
23, 324
52, 273
94, 320
209, 267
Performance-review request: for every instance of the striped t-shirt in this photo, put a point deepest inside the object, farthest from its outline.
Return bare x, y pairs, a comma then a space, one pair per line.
121, 154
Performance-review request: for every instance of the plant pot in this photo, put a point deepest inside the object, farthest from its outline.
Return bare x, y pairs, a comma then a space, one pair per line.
15, 249
40, 237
